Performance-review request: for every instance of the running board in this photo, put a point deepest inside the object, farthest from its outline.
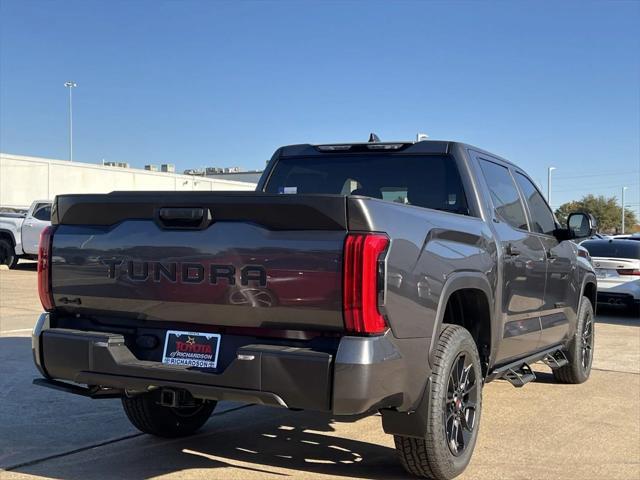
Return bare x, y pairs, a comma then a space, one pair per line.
521, 376
519, 373
556, 360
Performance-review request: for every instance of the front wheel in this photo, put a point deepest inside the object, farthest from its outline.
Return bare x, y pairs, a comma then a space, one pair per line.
580, 349
454, 407
147, 415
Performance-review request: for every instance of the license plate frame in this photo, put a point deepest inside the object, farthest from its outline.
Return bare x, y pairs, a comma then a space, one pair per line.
192, 349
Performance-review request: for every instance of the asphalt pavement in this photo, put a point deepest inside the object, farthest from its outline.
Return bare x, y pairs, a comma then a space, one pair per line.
542, 431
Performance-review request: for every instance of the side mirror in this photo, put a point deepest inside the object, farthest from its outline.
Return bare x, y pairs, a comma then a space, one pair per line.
581, 225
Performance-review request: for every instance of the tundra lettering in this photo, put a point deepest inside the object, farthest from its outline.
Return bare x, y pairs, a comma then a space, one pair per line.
190, 272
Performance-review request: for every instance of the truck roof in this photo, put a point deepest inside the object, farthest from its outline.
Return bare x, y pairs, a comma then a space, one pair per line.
423, 146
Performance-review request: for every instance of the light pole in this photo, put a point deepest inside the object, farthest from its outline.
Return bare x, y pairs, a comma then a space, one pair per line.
623, 189
70, 86
549, 170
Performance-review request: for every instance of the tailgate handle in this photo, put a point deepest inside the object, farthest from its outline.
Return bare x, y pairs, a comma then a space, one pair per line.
192, 218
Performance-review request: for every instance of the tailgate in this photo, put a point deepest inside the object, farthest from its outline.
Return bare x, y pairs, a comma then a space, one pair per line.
255, 260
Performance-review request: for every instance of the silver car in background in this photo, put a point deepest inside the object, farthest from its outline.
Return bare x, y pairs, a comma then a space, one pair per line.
617, 266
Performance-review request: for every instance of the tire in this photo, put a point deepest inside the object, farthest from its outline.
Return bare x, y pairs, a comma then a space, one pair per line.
148, 416
435, 456
580, 349
8, 255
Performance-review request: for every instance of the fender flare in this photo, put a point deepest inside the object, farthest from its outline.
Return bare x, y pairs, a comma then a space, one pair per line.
461, 281
17, 247
11, 235
589, 277
414, 422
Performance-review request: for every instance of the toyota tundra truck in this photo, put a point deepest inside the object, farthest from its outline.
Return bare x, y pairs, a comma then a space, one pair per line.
358, 278
20, 233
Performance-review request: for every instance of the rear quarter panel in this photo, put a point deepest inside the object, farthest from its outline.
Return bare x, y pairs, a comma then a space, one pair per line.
428, 248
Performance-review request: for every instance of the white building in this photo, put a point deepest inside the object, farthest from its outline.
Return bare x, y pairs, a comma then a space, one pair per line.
24, 179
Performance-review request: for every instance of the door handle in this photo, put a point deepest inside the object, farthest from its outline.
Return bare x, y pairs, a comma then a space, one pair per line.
512, 251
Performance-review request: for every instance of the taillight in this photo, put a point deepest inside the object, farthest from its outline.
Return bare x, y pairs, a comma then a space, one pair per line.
582, 252
628, 271
363, 282
44, 268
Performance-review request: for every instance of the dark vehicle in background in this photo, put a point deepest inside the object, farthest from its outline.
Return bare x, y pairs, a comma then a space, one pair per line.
617, 266
358, 278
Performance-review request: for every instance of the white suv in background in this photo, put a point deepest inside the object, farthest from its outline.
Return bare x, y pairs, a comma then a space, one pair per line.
617, 265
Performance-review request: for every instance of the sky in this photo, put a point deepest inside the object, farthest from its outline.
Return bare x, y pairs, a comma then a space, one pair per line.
213, 83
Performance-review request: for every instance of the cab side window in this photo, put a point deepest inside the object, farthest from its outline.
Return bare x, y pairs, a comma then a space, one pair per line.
504, 194
541, 217
43, 213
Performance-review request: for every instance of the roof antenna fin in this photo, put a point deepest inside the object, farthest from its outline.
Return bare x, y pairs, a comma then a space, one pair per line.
421, 136
373, 138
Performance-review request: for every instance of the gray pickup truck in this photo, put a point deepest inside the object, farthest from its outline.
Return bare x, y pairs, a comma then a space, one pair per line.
359, 278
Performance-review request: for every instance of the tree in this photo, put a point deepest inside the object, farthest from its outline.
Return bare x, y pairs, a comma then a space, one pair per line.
606, 210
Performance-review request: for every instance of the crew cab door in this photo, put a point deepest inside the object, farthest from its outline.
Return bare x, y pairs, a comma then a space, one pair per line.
37, 219
561, 293
523, 264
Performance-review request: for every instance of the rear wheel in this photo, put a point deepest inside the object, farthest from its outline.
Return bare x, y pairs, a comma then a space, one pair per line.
8, 255
147, 415
453, 415
580, 349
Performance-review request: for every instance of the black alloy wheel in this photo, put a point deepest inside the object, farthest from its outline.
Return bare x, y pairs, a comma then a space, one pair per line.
579, 350
451, 413
587, 342
459, 410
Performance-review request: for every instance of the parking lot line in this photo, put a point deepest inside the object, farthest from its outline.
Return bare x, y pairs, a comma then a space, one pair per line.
19, 330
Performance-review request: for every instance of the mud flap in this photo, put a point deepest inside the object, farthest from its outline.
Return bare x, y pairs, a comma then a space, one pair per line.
408, 424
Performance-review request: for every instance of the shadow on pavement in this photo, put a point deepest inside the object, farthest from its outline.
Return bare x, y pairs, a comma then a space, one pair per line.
254, 441
617, 316
546, 378
37, 422
300, 443
26, 266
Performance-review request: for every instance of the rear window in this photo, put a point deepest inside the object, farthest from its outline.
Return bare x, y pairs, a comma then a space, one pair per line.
425, 181
613, 249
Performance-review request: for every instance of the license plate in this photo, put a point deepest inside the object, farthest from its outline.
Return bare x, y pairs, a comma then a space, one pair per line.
191, 348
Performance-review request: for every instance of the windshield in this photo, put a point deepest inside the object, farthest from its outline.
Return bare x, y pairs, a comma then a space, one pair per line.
425, 181
613, 248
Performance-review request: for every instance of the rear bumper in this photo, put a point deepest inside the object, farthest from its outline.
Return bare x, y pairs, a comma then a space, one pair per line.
613, 290
366, 373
